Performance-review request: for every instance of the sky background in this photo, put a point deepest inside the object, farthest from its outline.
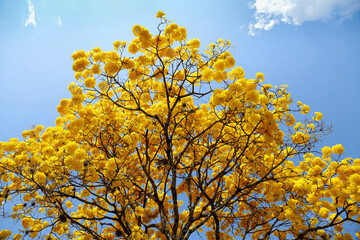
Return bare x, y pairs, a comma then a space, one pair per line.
310, 45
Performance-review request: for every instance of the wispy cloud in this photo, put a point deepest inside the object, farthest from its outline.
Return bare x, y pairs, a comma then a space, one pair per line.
31, 17
269, 13
59, 21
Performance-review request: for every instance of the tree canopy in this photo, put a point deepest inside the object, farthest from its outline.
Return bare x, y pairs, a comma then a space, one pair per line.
164, 140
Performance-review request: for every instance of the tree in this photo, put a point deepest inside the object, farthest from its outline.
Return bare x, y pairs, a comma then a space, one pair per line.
171, 142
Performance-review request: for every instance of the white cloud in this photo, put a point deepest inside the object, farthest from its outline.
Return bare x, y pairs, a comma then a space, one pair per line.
269, 13
59, 21
31, 17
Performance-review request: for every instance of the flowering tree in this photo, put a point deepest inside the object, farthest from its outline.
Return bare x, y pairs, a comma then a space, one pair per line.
170, 142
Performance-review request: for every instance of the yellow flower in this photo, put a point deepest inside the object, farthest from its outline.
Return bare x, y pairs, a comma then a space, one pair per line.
183, 33
133, 48
40, 178
230, 62
80, 64
100, 56
78, 54
48, 151
80, 154
27, 222
17, 208
50, 212
219, 65
71, 147
207, 74
139, 210
338, 149
112, 68
180, 75
69, 204
176, 35
355, 179
17, 236
338, 228
314, 221
5, 234
118, 44
95, 69
289, 119
134, 75
324, 213
90, 82
113, 56
220, 76
260, 76
236, 73
111, 164
252, 96
236, 87
144, 34
304, 109
194, 43
289, 213
96, 49
318, 116
160, 14
87, 237
136, 29
327, 151
170, 28
300, 138
33, 234
127, 63
336, 217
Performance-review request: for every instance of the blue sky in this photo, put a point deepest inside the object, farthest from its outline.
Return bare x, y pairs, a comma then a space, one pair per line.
312, 46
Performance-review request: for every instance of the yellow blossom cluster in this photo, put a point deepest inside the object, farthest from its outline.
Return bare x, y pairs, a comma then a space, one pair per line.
5, 234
